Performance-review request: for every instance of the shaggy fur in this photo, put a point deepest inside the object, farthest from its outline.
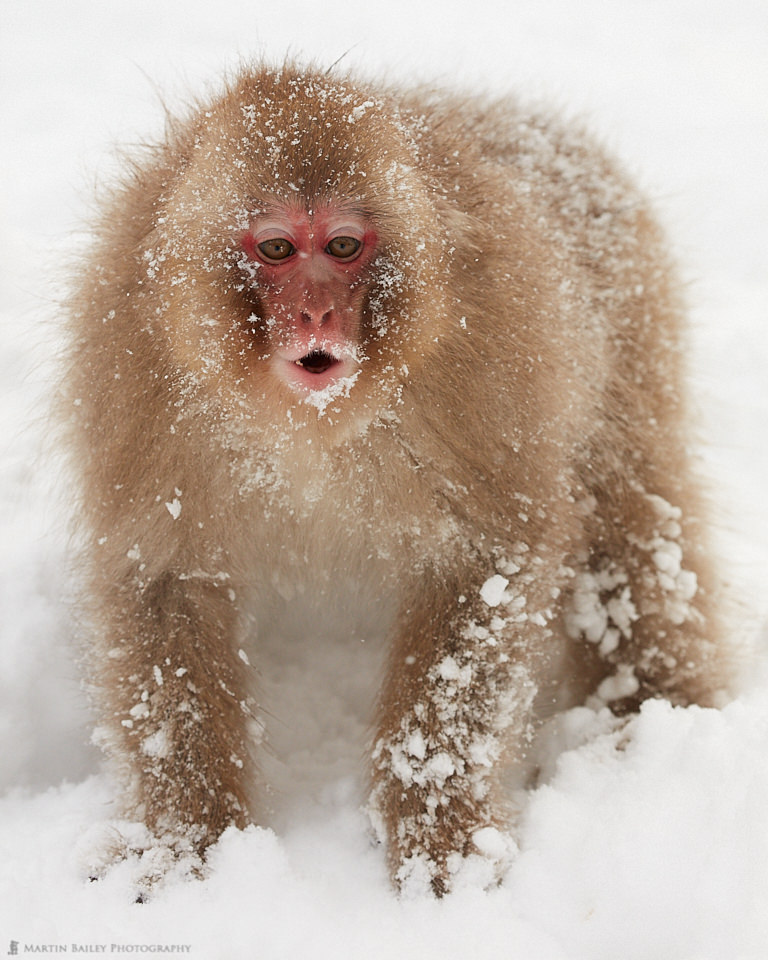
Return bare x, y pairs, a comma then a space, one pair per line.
509, 471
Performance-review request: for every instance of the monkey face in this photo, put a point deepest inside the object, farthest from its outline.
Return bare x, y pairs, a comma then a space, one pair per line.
313, 275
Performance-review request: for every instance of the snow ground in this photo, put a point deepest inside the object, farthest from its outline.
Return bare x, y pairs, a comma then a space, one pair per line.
650, 843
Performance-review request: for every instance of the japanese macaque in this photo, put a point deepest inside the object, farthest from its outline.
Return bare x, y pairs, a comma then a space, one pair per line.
426, 344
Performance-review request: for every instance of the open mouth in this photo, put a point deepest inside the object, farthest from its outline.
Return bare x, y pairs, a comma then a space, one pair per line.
321, 367
318, 361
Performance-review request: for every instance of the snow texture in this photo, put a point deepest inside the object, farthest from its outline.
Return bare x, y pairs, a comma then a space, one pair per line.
648, 839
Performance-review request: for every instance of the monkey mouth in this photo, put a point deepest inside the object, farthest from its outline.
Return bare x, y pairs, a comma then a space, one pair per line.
321, 367
317, 362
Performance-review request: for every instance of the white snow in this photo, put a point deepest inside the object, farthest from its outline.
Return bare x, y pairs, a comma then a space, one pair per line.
649, 838
492, 591
339, 388
174, 508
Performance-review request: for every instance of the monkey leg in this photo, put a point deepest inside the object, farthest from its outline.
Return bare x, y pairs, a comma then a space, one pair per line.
456, 704
647, 596
176, 709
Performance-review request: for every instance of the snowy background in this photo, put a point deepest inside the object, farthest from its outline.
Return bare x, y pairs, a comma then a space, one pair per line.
652, 848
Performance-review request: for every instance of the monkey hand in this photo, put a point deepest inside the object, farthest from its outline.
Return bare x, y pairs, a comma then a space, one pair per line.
487, 855
144, 859
438, 840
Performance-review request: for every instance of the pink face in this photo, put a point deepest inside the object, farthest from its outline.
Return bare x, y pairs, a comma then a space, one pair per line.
312, 280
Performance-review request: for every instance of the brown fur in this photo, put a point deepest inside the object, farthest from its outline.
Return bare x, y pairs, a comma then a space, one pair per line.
520, 412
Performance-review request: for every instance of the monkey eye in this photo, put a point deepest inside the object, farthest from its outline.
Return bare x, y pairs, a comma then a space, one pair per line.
343, 248
276, 249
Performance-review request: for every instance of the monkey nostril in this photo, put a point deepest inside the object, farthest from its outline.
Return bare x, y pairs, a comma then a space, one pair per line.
315, 317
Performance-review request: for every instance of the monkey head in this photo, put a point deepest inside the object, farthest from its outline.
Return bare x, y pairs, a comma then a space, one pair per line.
299, 263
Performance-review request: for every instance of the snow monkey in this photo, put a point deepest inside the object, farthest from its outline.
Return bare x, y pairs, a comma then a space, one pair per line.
330, 332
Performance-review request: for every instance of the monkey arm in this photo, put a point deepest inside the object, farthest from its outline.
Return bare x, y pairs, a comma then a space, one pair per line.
457, 703
178, 707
